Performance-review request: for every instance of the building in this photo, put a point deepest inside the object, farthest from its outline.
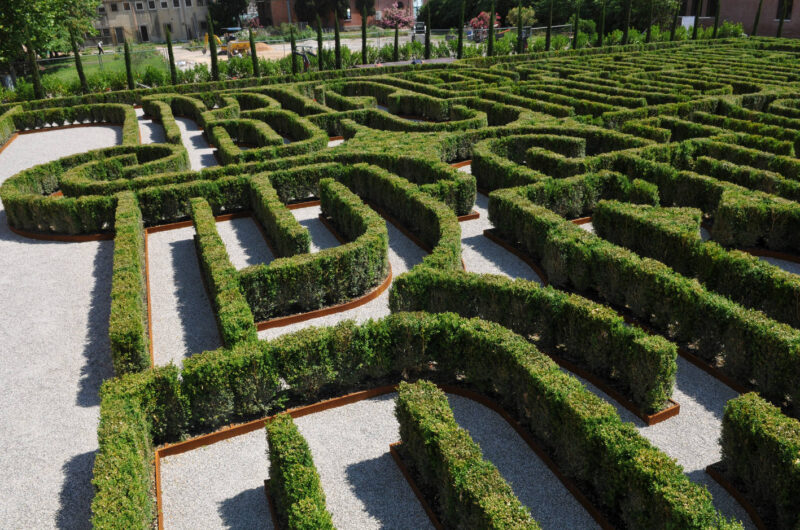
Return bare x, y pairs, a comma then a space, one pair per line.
277, 12
146, 20
744, 12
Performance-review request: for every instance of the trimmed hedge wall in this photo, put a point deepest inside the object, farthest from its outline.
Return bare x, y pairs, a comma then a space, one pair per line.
467, 490
7, 125
658, 233
755, 350
287, 236
293, 479
760, 448
115, 114
607, 458
233, 315
160, 111
127, 326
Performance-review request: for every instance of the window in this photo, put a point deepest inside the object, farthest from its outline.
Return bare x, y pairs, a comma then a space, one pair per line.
139, 6
163, 5
106, 33
151, 4
201, 3
114, 7
203, 25
176, 3
788, 4
126, 6
101, 10
188, 3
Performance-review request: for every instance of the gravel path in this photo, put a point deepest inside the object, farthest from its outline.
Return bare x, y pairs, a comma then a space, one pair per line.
151, 132
484, 256
244, 242
221, 485
589, 227
201, 154
183, 316
403, 255
54, 353
788, 266
321, 237
334, 143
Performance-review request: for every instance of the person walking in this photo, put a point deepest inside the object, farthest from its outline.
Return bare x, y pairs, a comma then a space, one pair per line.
99, 47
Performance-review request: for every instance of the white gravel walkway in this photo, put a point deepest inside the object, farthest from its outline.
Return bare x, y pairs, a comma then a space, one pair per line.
150, 131
321, 237
183, 316
201, 154
403, 255
589, 227
788, 266
54, 353
221, 485
482, 255
334, 143
244, 242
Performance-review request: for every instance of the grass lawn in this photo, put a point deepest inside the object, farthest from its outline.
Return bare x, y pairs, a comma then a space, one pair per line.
111, 62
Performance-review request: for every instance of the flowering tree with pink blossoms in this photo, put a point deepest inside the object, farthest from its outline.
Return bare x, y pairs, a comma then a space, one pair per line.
396, 18
482, 21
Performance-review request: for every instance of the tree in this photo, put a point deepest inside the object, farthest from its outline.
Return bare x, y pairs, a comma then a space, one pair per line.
128, 66
38, 89
396, 18
337, 41
577, 26
549, 27
79, 65
758, 19
212, 49
226, 13
716, 18
650, 23
428, 32
320, 60
602, 30
492, 18
675, 22
698, 8
293, 48
460, 47
528, 17
783, 16
482, 21
627, 25
253, 55
173, 72
365, 8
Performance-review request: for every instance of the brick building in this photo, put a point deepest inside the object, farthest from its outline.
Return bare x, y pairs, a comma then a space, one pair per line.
276, 12
744, 12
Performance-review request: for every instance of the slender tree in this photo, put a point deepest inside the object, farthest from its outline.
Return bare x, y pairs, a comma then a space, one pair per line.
549, 33
520, 37
428, 30
758, 19
128, 65
675, 16
649, 36
253, 55
602, 30
78, 63
492, 19
627, 26
783, 16
293, 48
396, 51
576, 33
716, 18
698, 8
366, 8
38, 89
460, 47
212, 48
396, 18
173, 72
337, 39
320, 61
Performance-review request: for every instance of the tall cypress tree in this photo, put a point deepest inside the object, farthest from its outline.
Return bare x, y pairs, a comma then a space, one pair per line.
460, 47
650, 23
549, 27
428, 30
674, 29
337, 39
492, 16
627, 26
38, 89
293, 48
758, 19
576, 33
212, 48
716, 18
253, 55
698, 8
602, 30
173, 72
78, 63
320, 61
519, 27
128, 66
396, 51
783, 16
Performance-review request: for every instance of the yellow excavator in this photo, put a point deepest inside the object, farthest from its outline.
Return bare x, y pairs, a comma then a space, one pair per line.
232, 47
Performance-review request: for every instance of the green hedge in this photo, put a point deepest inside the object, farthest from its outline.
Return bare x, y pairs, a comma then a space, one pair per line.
467, 491
661, 234
115, 114
287, 236
233, 315
127, 327
641, 366
160, 110
754, 349
760, 448
293, 479
309, 281
7, 125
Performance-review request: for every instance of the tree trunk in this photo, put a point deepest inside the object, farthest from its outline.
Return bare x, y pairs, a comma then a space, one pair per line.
320, 63
337, 41
173, 72
650, 24
490, 46
293, 48
675, 22
460, 48
757, 20
549, 27
79, 64
129, 66
577, 30
519, 27
627, 26
396, 54
38, 89
780, 22
698, 8
602, 30
364, 36
428, 32
716, 18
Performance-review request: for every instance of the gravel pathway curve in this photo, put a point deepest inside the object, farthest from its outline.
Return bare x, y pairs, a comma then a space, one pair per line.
54, 353
244, 242
183, 317
788, 266
150, 131
321, 237
201, 154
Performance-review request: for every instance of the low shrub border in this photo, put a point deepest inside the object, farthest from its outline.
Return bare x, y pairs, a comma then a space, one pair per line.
294, 482
467, 490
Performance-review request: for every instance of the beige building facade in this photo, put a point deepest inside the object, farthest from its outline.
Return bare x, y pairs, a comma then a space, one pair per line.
146, 20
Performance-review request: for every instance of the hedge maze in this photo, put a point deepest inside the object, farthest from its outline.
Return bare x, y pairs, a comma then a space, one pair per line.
685, 156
